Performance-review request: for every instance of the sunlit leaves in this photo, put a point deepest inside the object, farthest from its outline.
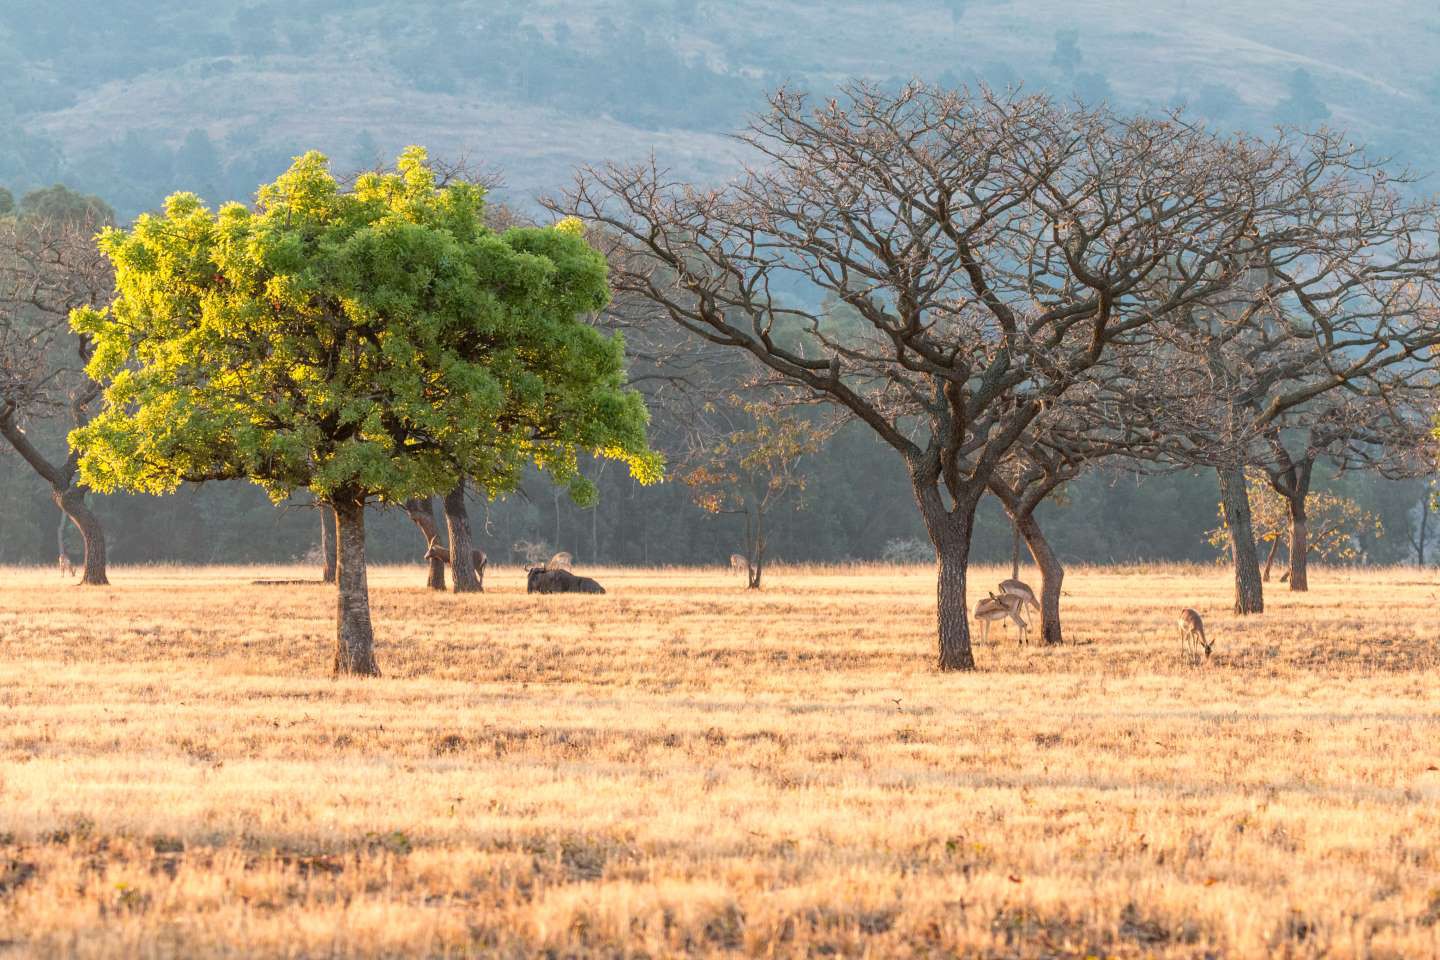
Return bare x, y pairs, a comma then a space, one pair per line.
751, 459
380, 341
1335, 525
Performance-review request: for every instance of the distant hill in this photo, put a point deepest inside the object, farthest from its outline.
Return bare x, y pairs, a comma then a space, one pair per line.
132, 100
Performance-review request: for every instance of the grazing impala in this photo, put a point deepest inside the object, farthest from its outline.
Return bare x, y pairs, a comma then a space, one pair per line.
1021, 589
1192, 634
1006, 606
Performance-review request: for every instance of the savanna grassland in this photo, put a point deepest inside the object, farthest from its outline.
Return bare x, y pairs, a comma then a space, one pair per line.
682, 767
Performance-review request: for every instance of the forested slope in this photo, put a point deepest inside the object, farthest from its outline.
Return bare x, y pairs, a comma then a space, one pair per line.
134, 99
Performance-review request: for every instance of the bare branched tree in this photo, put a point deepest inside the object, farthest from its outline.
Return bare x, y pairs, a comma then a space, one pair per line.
1388, 430
991, 253
49, 266
1323, 347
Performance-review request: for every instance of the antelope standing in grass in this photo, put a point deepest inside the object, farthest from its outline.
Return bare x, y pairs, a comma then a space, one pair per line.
1021, 589
1192, 635
1006, 606
67, 568
436, 552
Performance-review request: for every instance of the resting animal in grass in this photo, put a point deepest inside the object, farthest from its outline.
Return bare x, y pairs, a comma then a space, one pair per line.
540, 580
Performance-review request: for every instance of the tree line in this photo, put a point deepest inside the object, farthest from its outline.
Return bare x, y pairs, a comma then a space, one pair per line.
1030, 290
1014, 296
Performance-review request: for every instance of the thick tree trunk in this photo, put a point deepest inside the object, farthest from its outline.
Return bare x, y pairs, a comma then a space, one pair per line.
1299, 545
1235, 498
72, 501
327, 543
950, 531
355, 638
422, 512
953, 560
457, 524
1052, 577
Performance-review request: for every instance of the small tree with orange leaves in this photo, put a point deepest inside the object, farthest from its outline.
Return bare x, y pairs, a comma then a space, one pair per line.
745, 459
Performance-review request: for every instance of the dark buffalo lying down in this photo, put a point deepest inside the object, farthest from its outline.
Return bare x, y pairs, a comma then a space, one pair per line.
559, 581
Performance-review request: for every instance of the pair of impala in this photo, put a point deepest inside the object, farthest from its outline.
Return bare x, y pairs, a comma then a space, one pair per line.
1015, 595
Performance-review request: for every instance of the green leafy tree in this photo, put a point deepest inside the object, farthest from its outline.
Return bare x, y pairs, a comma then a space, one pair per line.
371, 344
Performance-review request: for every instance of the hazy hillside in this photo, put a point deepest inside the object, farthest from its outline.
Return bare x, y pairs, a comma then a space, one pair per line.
135, 98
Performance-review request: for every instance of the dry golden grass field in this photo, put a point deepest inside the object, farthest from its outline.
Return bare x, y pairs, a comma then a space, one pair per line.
684, 768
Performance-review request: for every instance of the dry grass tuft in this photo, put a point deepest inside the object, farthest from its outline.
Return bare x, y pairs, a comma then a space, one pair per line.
684, 767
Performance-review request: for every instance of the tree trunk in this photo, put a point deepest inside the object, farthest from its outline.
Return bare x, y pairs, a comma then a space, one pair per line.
1235, 499
462, 561
953, 559
756, 550
355, 638
327, 543
950, 531
1015, 548
1424, 522
1299, 544
72, 501
422, 512
1052, 576
67, 496
555, 492
1270, 559
63, 555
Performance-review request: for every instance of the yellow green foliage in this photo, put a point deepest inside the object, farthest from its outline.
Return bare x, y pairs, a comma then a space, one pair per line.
379, 341
1334, 523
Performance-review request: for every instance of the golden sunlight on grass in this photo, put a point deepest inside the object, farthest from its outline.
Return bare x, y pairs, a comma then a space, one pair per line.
682, 767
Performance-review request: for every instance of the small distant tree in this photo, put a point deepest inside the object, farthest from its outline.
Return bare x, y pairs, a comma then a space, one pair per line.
1302, 106
1418, 529
907, 550
746, 461
368, 344
1336, 523
1067, 55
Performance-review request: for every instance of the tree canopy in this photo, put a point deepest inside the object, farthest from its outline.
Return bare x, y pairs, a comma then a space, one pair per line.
380, 340
375, 343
